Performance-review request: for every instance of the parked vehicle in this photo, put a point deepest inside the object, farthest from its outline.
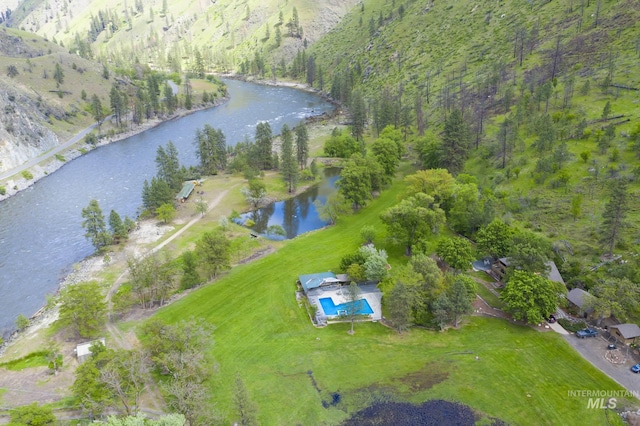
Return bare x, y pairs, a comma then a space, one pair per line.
587, 332
636, 368
611, 346
552, 319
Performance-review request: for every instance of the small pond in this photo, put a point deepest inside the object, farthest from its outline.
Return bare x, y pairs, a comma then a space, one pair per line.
295, 215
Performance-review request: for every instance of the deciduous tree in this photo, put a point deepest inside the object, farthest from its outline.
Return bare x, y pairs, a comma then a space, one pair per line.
201, 206
83, 309
125, 376
438, 183
529, 252
375, 262
255, 193
413, 219
353, 305
494, 239
530, 297
190, 276
615, 296
386, 153
214, 250
457, 252
335, 206
33, 415
166, 212
355, 183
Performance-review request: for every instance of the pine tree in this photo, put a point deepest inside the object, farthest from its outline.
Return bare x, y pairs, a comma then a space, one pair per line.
116, 225
302, 145
615, 212
246, 408
288, 164
95, 226
58, 74
168, 166
358, 114
264, 143
455, 142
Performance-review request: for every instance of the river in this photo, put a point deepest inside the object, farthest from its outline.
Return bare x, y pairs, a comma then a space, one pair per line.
41, 235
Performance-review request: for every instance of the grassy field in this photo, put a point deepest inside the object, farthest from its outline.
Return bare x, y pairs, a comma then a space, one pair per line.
34, 359
262, 333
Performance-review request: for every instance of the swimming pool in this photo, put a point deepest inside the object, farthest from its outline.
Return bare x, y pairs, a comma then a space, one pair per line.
330, 309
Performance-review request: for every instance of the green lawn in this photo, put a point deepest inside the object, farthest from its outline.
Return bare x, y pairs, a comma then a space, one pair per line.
521, 375
34, 359
489, 297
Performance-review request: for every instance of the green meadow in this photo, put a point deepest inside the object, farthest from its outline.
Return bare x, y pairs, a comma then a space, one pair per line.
500, 369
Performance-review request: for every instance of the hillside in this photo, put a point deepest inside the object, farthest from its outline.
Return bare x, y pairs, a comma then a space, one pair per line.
167, 34
548, 90
39, 108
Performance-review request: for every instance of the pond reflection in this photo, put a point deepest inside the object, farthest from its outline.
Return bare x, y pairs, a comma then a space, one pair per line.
295, 215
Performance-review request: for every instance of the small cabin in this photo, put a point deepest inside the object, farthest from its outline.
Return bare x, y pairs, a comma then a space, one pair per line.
83, 350
625, 333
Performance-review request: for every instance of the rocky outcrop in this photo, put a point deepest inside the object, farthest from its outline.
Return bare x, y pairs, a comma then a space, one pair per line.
22, 133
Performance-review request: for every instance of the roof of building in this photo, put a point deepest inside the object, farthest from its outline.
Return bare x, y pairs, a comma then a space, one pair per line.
554, 274
84, 349
186, 190
343, 278
310, 281
577, 296
628, 331
505, 261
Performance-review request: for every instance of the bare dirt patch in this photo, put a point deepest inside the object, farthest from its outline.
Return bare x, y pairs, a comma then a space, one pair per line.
429, 376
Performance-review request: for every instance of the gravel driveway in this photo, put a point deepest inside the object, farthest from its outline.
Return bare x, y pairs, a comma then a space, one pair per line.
593, 349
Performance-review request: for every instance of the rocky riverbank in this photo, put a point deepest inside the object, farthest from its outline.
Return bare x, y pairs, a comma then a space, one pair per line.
19, 182
89, 269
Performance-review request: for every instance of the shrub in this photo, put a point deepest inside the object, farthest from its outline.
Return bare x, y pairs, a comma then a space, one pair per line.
27, 174
91, 139
22, 322
571, 326
3, 190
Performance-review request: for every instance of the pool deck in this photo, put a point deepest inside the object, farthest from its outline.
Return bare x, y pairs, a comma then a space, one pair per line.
338, 294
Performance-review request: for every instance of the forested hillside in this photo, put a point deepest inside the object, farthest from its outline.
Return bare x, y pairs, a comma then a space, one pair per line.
183, 35
547, 94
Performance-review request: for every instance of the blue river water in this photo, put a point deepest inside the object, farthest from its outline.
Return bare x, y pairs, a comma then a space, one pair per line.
41, 235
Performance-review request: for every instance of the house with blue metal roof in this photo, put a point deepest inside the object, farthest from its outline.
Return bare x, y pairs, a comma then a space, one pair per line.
312, 281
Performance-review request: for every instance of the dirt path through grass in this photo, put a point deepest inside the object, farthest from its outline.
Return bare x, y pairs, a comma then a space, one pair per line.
128, 341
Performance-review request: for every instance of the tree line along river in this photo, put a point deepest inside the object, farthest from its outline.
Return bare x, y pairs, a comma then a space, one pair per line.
41, 235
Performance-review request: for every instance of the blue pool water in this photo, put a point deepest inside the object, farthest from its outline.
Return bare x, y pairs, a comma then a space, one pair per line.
330, 309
